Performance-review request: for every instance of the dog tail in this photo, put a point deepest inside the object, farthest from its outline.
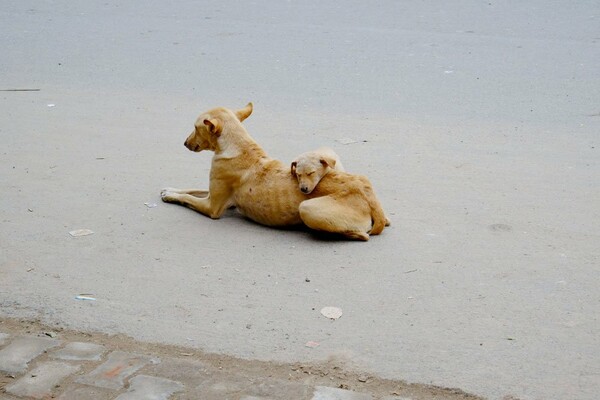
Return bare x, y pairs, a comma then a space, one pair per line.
378, 217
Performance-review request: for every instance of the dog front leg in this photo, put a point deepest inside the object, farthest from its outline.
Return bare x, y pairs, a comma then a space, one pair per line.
193, 192
209, 206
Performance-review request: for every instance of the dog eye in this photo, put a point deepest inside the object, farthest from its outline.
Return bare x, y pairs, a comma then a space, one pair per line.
310, 173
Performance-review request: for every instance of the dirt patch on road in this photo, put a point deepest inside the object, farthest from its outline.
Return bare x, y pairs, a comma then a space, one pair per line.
333, 373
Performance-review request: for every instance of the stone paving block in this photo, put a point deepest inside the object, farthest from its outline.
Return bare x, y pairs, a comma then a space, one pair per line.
218, 385
195, 394
221, 385
3, 338
40, 381
277, 389
224, 383
79, 351
329, 393
87, 392
144, 387
180, 369
113, 372
15, 357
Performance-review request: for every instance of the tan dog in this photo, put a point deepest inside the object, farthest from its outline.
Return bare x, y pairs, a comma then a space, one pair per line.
343, 198
310, 167
322, 170
242, 175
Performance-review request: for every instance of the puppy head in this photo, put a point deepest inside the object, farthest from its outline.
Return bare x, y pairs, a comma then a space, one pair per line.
209, 127
309, 169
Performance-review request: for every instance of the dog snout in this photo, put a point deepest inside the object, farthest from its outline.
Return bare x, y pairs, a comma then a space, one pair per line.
191, 146
304, 189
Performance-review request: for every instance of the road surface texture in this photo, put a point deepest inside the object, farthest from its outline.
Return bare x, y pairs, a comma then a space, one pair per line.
42, 362
477, 122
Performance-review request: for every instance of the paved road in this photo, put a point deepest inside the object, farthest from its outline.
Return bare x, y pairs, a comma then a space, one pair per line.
40, 362
477, 123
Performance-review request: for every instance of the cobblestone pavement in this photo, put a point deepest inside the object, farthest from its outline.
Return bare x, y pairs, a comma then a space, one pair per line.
37, 362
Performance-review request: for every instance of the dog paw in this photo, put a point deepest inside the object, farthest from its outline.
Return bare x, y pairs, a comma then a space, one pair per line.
168, 195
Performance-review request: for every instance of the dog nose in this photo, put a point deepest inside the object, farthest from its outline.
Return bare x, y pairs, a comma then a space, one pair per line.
304, 189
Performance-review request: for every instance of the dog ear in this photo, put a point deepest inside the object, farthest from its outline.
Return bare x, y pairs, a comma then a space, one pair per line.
328, 162
244, 112
293, 169
214, 126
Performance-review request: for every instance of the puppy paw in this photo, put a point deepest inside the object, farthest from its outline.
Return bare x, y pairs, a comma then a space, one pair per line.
357, 235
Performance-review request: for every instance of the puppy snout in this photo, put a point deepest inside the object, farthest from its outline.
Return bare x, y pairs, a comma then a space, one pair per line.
304, 189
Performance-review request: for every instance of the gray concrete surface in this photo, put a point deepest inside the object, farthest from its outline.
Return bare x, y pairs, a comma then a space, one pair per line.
79, 351
145, 387
477, 122
187, 376
114, 372
15, 357
42, 380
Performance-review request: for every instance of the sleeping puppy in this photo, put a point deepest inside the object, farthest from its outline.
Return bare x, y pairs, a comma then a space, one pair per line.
321, 174
310, 167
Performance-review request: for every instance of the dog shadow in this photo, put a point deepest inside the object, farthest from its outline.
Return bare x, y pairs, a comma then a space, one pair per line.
311, 233
303, 230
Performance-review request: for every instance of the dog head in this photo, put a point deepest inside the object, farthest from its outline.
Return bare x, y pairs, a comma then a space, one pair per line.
209, 127
310, 168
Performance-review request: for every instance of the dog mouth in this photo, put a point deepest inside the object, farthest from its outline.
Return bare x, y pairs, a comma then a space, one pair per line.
193, 147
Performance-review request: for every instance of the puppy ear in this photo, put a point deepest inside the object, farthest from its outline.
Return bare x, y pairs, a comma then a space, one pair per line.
293, 169
214, 126
244, 112
327, 162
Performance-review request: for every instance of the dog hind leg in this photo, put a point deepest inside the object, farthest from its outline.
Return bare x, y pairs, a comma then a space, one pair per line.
330, 215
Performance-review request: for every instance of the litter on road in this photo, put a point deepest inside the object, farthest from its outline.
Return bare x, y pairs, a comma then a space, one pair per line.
81, 232
87, 297
331, 312
346, 140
